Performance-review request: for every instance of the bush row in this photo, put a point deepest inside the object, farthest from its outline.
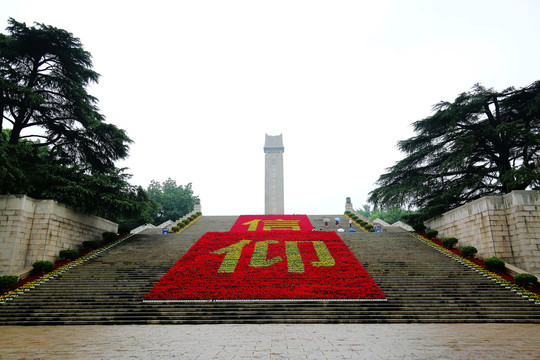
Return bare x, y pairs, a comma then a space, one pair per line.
42, 266
491, 263
182, 224
359, 221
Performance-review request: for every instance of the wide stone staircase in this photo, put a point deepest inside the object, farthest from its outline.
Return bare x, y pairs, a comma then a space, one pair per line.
421, 285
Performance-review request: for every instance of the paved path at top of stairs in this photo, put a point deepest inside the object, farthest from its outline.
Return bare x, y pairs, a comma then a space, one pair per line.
421, 284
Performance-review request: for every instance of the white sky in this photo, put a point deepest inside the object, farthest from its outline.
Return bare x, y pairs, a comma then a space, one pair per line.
197, 84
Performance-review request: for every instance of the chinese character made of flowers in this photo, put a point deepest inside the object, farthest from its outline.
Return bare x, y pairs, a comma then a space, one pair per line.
259, 257
258, 223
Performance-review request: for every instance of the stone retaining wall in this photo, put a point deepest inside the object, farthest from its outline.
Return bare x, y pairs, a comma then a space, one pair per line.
505, 226
32, 230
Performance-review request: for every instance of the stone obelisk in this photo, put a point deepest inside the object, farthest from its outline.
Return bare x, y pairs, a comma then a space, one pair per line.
273, 175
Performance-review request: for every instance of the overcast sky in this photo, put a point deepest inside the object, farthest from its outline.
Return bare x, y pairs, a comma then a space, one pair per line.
197, 84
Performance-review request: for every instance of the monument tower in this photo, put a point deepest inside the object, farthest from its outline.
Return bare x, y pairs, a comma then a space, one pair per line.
273, 175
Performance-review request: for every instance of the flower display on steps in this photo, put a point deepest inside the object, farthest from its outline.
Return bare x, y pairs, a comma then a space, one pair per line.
264, 264
272, 223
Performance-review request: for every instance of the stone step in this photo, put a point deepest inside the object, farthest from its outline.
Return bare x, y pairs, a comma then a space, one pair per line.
421, 285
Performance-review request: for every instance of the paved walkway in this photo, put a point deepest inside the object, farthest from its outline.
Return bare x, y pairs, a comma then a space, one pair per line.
373, 341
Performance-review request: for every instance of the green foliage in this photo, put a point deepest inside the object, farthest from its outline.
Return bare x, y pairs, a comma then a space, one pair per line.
524, 279
432, 233
390, 215
368, 227
419, 227
90, 244
198, 213
68, 254
109, 236
44, 72
494, 264
185, 221
468, 251
123, 229
174, 201
43, 266
8, 281
175, 229
485, 142
449, 242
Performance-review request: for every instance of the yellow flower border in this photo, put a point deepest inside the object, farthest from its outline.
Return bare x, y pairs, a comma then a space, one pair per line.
357, 224
503, 282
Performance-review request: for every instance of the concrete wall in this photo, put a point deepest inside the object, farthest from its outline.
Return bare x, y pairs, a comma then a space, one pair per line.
32, 230
505, 226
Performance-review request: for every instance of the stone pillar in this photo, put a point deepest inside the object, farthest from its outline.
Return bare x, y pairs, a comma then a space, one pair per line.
197, 206
273, 176
348, 204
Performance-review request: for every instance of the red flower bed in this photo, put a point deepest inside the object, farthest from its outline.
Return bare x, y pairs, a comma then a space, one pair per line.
272, 223
267, 265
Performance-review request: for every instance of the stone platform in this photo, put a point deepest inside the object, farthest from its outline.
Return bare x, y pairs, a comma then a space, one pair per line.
273, 341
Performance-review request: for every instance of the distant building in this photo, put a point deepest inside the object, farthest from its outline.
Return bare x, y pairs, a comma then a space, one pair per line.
273, 175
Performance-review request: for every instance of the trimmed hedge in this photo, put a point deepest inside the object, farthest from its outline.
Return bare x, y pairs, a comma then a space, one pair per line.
432, 233
450, 242
109, 236
468, 251
90, 245
8, 281
123, 229
68, 254
494, 264
524, 279
43, 266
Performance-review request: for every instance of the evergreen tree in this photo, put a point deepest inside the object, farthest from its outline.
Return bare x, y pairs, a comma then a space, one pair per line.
44, 72
483, 143
54, 142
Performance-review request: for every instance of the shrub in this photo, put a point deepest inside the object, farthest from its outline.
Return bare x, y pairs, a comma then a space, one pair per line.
524, 279
432, 233
198, 213
419, 227
43, 266
8, 281
180, 225
347, 212
175, 228
185, 221
368, 227
450, 242
354, 217
123, 229
109, 236
469, 251
69, 254
90, 245
494, 263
